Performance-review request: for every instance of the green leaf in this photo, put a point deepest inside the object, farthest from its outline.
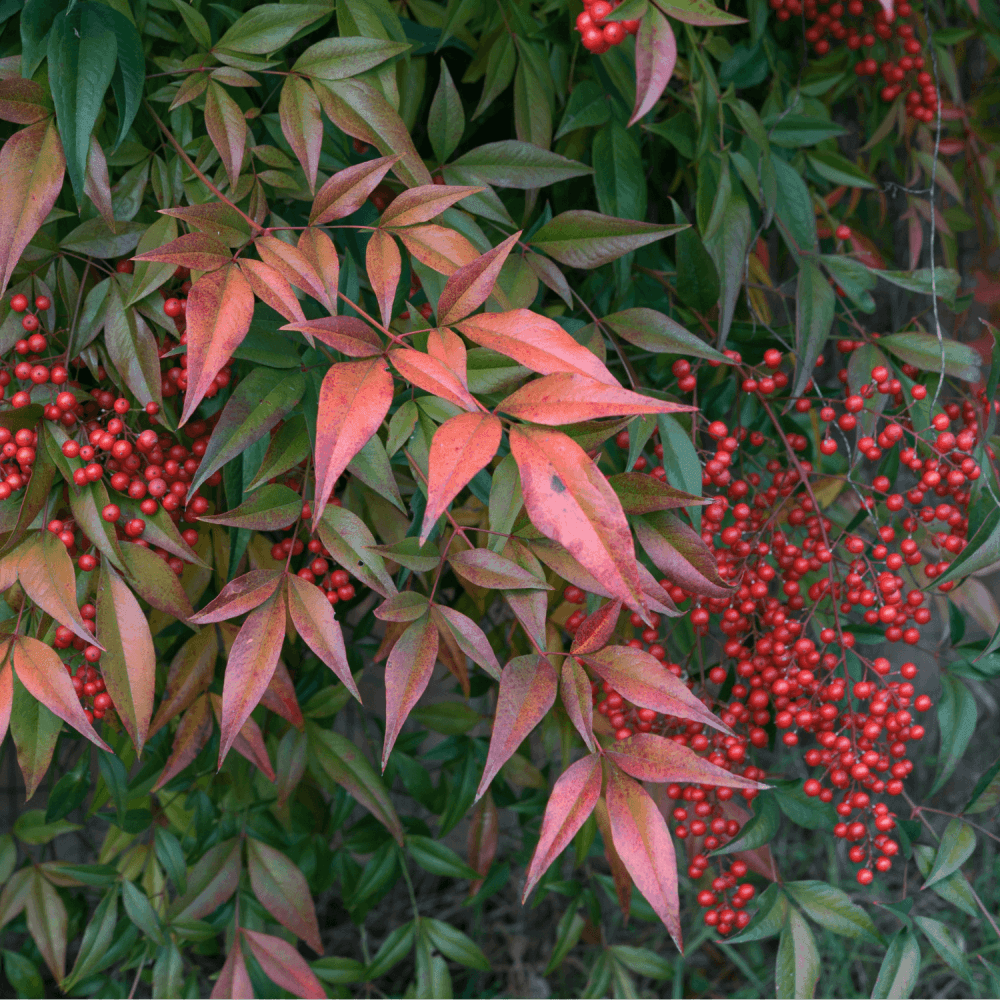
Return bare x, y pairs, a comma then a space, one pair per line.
653, 331
699, 12
680, 460
195, 22
95, 239
22, 974
587, 107
140, 911
957, 722
986, 794
924, 351
438, 859
954, 888
832, 908
35, 22
758, 830
948, 943
451, 718
270, 508
981, 550
797, 966
794, 210
585, 239
815, 304
340, 58
69, 791
853, 277
568, 931
838, 169
957, 844
946, 280
392, 951
514, 164
796, 131
802, 809
30, 827
900, 968
697, 278
772, 911
269, 27
453, 944
620, 184
445, 118
643, 961
339, 971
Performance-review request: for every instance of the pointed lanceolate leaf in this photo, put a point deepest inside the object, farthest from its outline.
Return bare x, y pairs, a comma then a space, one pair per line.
227, 129
572, 800
384, 265
210, 882
32, 167
656, 332
642, 494
296, 267
283, 964
155, 582
250, 666
470, 286
248, 742
234, 980
643, 680
47, 923
197, 251
527, 692
348, 539
535, 341
569, 500
585, 239
192, 734
566, 398
353, 401
642, 840
219, 311
655, 56
302, 125
132, 348
578, 700
460, 447
270, 508
281, 887
407, 606
423, 203
347, 190
494, 572
407, 674
679, 552
596, 629
315, 621
649, 757
42, 672
240, 596
272, 288
433, 375
129, 663
347, 334
470, 638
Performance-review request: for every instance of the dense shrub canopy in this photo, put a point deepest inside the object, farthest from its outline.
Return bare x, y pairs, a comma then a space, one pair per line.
470, 466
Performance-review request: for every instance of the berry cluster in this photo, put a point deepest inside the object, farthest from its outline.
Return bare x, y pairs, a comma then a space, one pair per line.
597, 33
82, 666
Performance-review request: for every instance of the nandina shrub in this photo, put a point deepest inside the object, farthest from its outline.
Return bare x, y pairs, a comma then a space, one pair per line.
421, 421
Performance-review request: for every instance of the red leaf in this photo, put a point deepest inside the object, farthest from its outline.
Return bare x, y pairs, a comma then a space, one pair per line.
527, 692
595, 630
680, 553
537, 342
347, 190
423, 203
295, 266
642, 494
129, 663
347, 334
619, 873
470, 638
284, 965
281, 887
189, 676
248, 742
42, 672
655, 56
460, 447
353, 401
216, 218
198, 251
302, 125
219, 311
407, 606
189, 740
6, 692
569, 500
641, 679
234, 980
313, 616
23, 102
470, 286
652, 758
272, 288
318, 249
227, 128
446, 346
578, 700
250, 666
429, 374
240, 596
32, 167
384, 265
494, 572
439, 248
484, 830
564, 398
407, 674
642, 840
572, 800
279, 696
210, 882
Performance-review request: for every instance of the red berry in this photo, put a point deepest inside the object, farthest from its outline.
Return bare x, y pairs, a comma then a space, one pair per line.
43, 302
19, 302
111, 513
843, 232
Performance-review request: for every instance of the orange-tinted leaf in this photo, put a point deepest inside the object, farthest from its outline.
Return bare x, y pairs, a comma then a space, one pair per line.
248, 742
460, 447
642, 494
484, 830
430, 374
643, 680
282, 889
642, 840
353, 401
319, 250
595, 630
407, 674
649, 757
569, 500
272, 288
234, 980
227, 128
6, 692
32, 166
283, 964
619, 873
535, 341
655, 56
680, 553
578, 700
215, 218
250, 667
470, 638
347, 334
656, 597
347, 190
129, 663
198, 251
566, 398
384, 266
407, 606
240, 596
189, 740
23, 102
192, 87
210, 882
46, 573
572, 800
527, 691
423, 203
452, 656
279, 696
47, 923
298, 111
439, 248
470, 286
315, 621
494, 572
42, 672
296, 267
219, 311
189, 676
446, 346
